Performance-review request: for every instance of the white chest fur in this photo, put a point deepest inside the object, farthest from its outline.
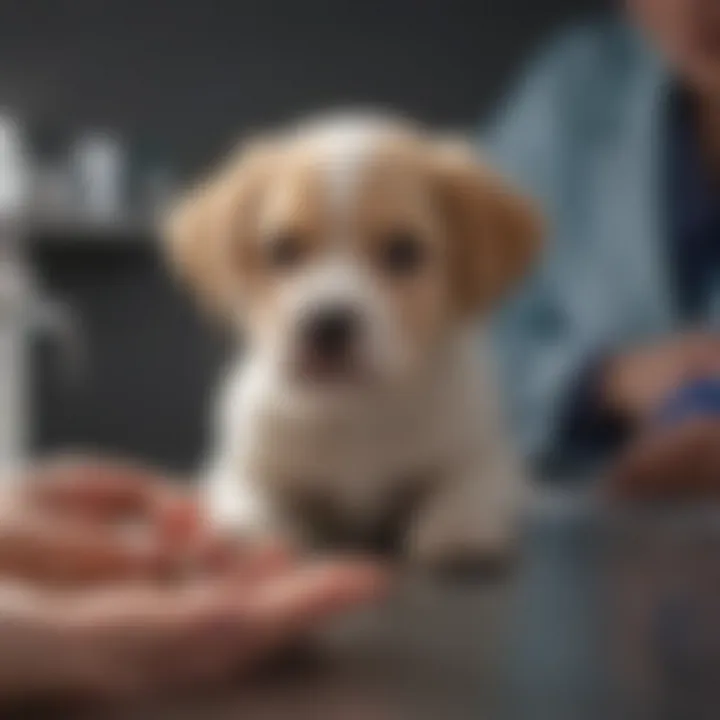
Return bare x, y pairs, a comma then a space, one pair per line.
356, 454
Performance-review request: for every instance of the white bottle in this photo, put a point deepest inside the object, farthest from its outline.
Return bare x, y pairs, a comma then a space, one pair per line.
98, 160
13, 166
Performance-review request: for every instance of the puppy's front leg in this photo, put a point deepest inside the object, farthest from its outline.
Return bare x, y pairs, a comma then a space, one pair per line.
470, 519
235, 505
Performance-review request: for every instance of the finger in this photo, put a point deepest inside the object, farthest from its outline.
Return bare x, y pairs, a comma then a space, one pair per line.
145, 637
53, 551
705, 359
177, 521
141, 638
276, 614
267, 561
100, 488
290, 605
220, 556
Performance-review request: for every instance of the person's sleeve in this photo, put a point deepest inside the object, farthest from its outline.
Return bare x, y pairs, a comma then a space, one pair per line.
587, 425
548, 365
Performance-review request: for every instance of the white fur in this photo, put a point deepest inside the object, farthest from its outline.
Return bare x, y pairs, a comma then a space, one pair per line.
345, 146
448, 427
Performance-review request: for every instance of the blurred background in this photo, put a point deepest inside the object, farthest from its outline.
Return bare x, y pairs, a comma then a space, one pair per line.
107, 105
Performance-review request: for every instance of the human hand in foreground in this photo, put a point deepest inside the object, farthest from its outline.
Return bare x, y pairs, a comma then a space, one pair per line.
137, 639
85, 611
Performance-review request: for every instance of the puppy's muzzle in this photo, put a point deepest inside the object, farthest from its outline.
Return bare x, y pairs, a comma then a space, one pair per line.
329, 337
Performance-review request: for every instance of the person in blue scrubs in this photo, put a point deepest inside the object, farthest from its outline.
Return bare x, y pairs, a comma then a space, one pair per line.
616, 130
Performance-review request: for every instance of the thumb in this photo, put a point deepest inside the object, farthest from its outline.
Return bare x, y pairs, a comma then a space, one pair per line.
287, 607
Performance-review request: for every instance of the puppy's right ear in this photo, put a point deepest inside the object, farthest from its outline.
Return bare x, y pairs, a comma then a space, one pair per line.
207, 234
189, 236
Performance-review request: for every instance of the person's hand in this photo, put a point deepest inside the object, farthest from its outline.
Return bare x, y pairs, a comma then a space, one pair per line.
81, 521
637, 382
88, 608
675, 463
137, 639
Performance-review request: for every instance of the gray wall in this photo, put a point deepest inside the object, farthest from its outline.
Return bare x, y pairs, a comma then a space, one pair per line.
191, 74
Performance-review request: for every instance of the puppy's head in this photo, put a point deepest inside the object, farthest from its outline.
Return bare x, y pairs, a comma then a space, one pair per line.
348, 248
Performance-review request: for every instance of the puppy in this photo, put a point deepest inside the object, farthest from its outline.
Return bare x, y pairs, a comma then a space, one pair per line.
357, 255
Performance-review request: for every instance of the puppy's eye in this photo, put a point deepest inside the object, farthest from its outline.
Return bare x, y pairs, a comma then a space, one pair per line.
402, 253
284, 251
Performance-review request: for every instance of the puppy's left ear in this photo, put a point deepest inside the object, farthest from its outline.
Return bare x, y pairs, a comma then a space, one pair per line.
494, 232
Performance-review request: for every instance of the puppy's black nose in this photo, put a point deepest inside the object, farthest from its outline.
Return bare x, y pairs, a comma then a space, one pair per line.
330, 332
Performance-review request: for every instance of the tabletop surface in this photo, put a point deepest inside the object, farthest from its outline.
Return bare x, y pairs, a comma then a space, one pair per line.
601, 618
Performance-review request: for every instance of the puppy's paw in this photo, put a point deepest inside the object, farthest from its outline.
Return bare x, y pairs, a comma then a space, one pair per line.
233, 511
460, 550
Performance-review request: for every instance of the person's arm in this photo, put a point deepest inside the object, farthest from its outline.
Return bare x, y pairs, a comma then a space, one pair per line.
549, 365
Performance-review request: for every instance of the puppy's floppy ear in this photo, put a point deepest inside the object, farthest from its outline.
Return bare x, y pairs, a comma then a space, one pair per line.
206, 232
190, 235
494, 232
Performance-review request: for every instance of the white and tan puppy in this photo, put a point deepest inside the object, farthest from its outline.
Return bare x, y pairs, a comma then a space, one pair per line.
356, 255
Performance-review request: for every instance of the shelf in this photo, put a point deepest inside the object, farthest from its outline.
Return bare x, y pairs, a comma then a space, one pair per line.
74, 227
